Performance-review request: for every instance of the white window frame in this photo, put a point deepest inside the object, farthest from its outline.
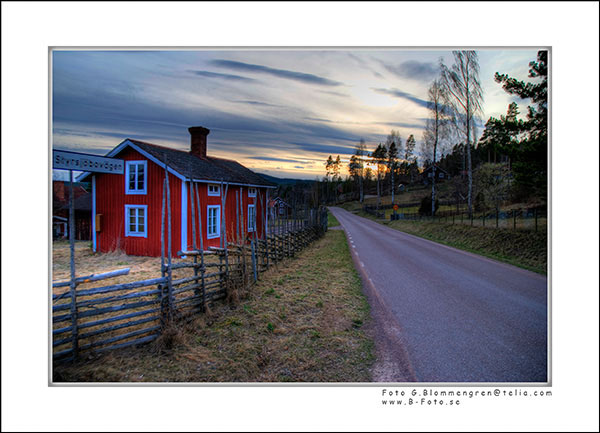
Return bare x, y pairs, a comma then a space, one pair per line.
216, 234
217, 192
251, 226
128, 165
250, 193
138, 234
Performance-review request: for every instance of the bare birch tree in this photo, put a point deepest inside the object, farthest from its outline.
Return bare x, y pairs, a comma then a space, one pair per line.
436, 128
461, 81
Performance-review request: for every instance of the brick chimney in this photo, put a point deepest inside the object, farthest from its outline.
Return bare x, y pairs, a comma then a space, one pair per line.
198, 140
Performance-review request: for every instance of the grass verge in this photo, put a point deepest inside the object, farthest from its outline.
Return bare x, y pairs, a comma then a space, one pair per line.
302, 322
332, 220
526, 249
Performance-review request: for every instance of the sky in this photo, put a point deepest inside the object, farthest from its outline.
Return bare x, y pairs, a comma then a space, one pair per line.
279, 112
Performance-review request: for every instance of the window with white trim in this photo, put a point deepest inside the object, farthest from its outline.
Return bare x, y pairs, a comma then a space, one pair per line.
251, 192
213, 216
214, 189
136, 220
251, 217
136, 178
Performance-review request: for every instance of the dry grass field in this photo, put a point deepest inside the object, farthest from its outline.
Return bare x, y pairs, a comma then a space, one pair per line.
87, 262
305, 320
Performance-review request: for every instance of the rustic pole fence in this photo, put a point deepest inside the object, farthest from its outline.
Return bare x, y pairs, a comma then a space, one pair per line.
133, 313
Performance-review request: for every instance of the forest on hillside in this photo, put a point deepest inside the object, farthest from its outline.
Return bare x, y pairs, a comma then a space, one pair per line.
504, 163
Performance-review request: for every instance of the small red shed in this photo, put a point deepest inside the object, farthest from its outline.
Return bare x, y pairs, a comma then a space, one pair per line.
126, 209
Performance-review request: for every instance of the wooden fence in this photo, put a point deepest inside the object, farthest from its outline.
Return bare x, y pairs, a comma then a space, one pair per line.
96, 319
120, 315
534, 219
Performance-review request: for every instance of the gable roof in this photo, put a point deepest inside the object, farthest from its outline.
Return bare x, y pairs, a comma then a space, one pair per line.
188, 166
60, 191
82, 203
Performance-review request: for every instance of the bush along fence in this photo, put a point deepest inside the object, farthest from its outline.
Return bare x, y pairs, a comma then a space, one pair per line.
98, 319
515, 219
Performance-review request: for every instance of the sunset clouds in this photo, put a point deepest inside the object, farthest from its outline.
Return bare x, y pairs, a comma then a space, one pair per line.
281, 112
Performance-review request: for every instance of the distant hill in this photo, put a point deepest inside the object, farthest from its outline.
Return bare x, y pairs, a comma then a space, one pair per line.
284, 181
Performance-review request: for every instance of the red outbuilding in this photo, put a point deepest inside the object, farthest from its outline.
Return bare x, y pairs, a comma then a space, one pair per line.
126, 209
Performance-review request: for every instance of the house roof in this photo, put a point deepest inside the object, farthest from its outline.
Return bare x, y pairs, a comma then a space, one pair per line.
83, 202
277, 201
189, 166
60, 190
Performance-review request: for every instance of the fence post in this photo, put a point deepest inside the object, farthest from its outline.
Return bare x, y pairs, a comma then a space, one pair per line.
197, 292
497, 216
253, 259
162, 256
202, 268
514, 219
169, 250
535, 215
72, 284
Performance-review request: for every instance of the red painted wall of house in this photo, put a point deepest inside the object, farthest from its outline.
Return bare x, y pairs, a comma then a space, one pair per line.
111, 200
230, 213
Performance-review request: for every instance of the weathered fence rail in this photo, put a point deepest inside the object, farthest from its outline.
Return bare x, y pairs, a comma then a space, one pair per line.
97, 319
516, 219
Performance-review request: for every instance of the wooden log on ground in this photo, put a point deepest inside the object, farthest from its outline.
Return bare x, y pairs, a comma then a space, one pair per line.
195, 253
91, 278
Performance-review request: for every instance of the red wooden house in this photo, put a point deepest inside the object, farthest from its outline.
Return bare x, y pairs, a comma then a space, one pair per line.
126, 209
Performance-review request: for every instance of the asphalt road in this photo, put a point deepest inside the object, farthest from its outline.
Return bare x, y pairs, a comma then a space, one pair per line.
449, 315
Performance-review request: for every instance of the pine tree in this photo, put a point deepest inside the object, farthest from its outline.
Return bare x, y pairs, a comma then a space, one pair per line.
410, 148
379, 156
392, 163
531, 152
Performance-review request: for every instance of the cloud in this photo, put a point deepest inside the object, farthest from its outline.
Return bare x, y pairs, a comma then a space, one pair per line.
115, 117
363, 64
281, 73
209, 74
404, 124
270, 158
413, 69
318, 119
403, 95
328, 92
257, 103
327, 149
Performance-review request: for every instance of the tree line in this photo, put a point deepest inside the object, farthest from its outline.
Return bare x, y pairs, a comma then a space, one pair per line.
509, 160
